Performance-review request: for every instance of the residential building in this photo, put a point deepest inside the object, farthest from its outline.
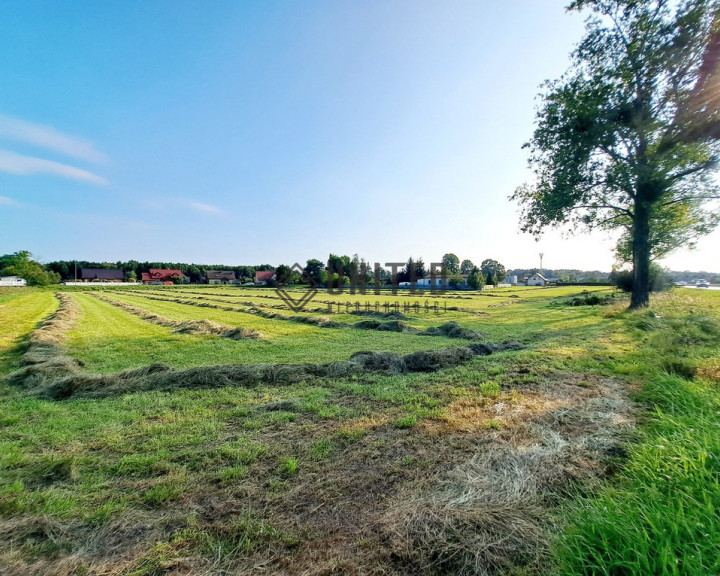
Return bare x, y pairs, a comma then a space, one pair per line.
101, 275
264, 277
537, 279
221, 277
160, 276
12, 281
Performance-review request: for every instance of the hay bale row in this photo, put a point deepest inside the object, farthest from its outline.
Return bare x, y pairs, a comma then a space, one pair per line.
206, 327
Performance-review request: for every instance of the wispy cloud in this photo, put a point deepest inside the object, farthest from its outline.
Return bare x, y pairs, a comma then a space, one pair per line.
19, 164
49, 138
5, 201
201, 207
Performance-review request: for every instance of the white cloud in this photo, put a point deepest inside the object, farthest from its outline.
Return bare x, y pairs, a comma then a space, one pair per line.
200, 207
19, 164
5, 201
49, 138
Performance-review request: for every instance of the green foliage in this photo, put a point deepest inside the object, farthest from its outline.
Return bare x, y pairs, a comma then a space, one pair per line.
313, 269
467, 266
660, 279
627, 139
476, 280
286, 275
288, 466
21, 264
451, 263
494, 269
490, 389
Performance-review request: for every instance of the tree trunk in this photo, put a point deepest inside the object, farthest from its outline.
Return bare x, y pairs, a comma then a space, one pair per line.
641, 256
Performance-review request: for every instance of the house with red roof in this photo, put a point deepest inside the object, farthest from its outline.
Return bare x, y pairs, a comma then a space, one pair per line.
160, 276
264, 277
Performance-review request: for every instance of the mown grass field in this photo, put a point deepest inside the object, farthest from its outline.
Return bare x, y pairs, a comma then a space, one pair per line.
588, 445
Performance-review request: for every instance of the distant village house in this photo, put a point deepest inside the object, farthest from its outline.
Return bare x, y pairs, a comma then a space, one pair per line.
264, 277
221, 277
12, 281
537, 279
101, 275
160, 276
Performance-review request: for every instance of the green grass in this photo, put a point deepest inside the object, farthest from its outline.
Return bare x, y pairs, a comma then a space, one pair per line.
225, 479
660, 516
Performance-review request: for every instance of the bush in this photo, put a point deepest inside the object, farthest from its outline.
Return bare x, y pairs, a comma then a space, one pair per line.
660, 280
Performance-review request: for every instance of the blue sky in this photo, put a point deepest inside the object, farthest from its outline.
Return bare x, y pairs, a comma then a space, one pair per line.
251, 132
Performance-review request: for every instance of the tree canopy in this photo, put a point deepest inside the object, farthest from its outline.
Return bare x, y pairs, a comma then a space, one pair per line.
22, 264
493, 269
628, 138
451, 263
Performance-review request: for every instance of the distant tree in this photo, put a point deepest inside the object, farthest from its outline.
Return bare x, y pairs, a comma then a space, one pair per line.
130, 276
628, 139
286, 275
490, 280
420, 271
660, 279
475, 279
22, 264
179, 279
313, 269
494, 269
451, 263
467, 266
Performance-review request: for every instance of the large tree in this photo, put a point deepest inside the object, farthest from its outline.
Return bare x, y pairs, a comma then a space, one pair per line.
629, 137
493, 268
451, 263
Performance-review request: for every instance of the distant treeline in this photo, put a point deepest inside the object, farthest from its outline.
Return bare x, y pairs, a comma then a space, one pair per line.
134, 269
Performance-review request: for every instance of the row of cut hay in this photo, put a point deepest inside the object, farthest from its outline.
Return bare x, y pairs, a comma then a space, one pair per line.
490, 515
387, 322
161, 377
369, 292
44, 353
186, 326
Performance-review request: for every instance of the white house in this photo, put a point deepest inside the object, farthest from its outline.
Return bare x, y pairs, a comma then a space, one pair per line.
537, 279
427, 283
12, 281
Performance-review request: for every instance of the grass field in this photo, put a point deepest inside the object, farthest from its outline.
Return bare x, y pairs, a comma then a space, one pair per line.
139, 435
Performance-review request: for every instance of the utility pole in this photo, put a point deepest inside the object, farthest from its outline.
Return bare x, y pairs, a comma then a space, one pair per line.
541, 257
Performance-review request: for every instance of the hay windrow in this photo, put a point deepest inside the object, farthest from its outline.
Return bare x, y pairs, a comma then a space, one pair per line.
386, 322
44, 353
197, 327
453, 330
160, 377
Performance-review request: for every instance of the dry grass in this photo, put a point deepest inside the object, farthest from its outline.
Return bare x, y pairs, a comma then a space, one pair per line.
159, 377
489, 515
